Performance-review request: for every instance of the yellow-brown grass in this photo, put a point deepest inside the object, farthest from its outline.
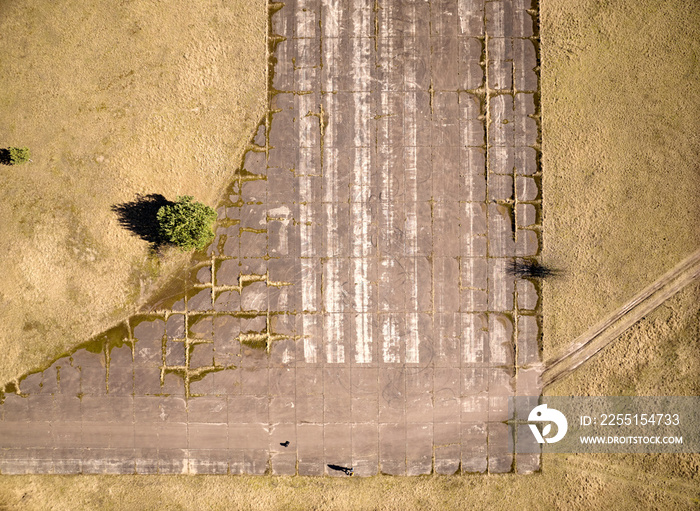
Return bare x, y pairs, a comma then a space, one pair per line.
113, 99
621, 152
568, 482
598, 199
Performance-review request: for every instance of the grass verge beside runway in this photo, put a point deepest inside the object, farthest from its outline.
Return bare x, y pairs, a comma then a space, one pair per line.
113, 100
621, 155
570, 482
621, 152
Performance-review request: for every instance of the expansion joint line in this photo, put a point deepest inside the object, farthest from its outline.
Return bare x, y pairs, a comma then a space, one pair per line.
487, 130
487, 121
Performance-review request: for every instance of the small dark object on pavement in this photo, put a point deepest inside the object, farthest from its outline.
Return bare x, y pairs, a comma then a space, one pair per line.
348, 471
285, 444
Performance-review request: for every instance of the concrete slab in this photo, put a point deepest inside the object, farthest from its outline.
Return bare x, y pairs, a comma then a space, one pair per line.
357, 293
419, 449
528, 340
392, 448
207, 436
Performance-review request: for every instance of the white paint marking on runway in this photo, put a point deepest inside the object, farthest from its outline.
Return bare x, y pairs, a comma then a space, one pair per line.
499, 339
310, 343
468, 10
360, 212
332, 293
498, 279
473, 338
282, 215
332, 14
286, 356
391, 339
410, 162
305, 169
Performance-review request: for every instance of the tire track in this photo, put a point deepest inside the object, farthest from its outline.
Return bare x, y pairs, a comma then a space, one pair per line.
588, 344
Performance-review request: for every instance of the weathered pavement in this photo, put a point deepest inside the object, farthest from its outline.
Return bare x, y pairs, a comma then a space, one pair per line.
356, 301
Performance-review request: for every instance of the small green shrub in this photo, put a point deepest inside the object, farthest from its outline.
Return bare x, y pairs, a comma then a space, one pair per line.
15, 155
186, 224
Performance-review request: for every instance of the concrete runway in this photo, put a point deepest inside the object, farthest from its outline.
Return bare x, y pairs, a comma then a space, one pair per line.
356, 301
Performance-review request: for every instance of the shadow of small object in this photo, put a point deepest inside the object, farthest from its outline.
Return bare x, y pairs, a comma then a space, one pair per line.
528, 269
285, 444
140, 217
347, 470
5, 157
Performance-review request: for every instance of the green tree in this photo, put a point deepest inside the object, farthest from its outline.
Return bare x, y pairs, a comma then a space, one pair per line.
186, 223
15, 155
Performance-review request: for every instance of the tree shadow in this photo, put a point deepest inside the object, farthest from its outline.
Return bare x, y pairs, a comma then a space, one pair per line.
531, 269
140, 217
5, 157
346, 470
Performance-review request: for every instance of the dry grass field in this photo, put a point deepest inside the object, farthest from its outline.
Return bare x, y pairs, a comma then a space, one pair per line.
569, 482
621, 155
659, 356
113, 100
620, 84
621, 152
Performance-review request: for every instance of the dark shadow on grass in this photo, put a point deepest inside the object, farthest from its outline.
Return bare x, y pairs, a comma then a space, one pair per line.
528, 269
140, 217
5, 157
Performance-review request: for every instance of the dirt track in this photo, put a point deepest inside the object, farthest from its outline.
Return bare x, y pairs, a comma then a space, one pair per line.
606, 331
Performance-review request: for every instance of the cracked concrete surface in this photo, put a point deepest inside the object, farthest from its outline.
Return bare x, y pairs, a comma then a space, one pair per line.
355, 301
